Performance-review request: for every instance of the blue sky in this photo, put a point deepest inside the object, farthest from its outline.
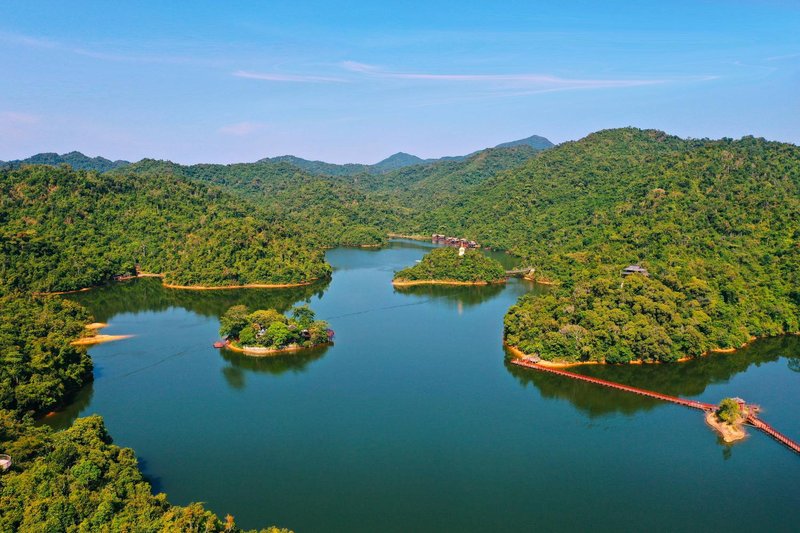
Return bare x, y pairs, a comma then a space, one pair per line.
358, 81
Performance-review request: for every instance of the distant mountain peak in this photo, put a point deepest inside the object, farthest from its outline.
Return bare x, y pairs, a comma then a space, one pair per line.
401, 158
534, 141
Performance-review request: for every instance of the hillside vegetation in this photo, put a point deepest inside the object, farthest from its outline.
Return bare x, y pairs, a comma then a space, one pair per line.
39, 370
62, 229
345, 209
717, 223
444, 264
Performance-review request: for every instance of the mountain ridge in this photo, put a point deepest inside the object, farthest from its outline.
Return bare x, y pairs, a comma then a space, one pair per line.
79, 161
75, 159
397, 160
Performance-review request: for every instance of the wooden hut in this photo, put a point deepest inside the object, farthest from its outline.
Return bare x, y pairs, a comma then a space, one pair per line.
635, 269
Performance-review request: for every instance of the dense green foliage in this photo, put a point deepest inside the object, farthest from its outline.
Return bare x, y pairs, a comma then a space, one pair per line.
445, 264
62, 229
729, 411
717, 223
271, 329
606, 319
325, 212
39, 369
77, 480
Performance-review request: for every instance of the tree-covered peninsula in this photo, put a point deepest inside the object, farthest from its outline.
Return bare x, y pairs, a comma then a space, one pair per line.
39, 368
715, 222
448, 266
266, 331
64, 230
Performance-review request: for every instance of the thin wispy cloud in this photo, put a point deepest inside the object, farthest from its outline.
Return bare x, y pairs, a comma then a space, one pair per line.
783, 57
292, 78
27, 40
542, 82
107, 54
241, 129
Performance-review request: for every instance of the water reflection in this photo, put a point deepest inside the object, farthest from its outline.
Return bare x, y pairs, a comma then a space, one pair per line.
467, 296
239, 364
687, 379
64, 418
471, 295
148, 294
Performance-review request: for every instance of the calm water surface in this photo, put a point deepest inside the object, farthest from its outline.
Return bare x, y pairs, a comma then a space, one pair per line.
413, 421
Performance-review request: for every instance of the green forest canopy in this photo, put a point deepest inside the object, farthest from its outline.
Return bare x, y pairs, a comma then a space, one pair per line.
64, 230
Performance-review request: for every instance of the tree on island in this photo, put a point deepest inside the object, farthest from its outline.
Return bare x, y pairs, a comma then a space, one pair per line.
729, 411
267, 328
448, 265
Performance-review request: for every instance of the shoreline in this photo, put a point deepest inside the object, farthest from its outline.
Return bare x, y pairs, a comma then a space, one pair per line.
97, 338
258, 351
409, 237
245, 286
411, 283
185, 287
56, 293
519, 354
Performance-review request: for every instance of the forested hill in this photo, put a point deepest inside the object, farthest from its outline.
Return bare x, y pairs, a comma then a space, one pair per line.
62, 229
717, 223
345, 210
76, 160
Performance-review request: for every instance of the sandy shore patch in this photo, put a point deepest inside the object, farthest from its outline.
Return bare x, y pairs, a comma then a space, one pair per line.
98, 339
247, 286
728, 432
267, 352
411, 283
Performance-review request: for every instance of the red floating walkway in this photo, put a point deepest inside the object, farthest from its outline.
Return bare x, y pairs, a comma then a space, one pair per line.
774, 433
694, 404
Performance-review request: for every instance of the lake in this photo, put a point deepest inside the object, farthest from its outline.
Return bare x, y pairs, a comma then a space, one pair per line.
413, 421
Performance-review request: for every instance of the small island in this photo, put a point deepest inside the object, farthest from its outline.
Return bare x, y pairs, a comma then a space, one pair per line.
452, 266
268, 332
728, 419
